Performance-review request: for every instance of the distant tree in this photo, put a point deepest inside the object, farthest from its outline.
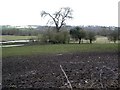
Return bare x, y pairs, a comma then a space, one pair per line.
114, 35
81, 34
77, 33
59, 17
73, 33
104, 31
90, 36
10, 31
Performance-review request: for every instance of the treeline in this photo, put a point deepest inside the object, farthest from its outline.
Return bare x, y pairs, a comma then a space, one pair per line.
19, 31
76, 33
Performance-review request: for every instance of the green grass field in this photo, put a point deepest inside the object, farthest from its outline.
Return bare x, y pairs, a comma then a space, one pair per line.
12, 37
58, 48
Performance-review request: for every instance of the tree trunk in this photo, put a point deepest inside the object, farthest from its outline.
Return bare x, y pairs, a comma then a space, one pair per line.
57, 30
79, 40
90, 41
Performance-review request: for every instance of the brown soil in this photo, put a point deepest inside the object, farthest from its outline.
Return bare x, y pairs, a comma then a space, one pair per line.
84, 70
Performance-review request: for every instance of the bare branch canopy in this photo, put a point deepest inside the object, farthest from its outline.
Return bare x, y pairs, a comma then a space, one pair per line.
59, 17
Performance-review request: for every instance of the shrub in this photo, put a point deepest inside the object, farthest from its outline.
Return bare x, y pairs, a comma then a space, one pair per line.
53, 37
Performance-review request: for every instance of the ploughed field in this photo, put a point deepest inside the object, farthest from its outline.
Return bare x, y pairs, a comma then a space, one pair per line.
84, 70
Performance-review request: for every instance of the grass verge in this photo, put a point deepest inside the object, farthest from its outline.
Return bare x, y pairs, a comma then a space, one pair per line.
58, 48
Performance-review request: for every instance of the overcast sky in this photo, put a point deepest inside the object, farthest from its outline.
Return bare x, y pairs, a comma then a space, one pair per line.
86, 12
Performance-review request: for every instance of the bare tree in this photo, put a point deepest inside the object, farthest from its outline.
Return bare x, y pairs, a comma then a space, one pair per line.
59, 17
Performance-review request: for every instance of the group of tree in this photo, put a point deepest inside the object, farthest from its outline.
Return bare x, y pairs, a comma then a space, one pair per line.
114, 35
64, 36
59, 18
56, 35
78, 33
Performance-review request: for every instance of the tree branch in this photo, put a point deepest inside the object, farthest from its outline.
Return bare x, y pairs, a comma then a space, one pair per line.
66, 77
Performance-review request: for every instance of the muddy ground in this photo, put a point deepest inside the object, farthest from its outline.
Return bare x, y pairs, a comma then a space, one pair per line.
84, 70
